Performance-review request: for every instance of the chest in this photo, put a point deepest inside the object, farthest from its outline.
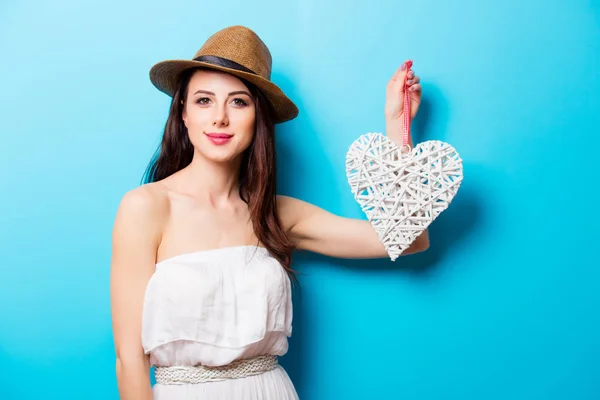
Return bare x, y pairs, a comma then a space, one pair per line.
191, 228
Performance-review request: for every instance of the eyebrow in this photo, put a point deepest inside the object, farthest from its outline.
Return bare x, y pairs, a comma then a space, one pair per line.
230, 93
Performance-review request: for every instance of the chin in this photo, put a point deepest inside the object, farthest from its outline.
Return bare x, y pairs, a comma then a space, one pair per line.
222, 158
221, 154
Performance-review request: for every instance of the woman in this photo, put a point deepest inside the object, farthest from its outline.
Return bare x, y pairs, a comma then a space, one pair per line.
200, 269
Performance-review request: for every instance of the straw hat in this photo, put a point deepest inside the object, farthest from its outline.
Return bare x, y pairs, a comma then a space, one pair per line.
238, 51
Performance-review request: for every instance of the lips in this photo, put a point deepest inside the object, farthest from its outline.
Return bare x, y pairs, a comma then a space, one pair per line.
218, 138
219, 135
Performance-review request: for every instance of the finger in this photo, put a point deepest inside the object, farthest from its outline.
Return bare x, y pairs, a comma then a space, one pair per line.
415, 88
414, 80
396, 78
399, 74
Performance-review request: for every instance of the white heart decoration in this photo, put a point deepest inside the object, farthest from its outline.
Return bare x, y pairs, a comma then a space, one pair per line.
401, 194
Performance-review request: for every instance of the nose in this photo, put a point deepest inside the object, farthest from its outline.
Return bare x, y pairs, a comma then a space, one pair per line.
220, 118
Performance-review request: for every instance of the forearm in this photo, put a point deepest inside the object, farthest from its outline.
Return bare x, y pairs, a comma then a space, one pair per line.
133, 379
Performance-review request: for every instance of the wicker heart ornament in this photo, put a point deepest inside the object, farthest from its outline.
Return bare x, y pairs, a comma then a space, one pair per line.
401, 194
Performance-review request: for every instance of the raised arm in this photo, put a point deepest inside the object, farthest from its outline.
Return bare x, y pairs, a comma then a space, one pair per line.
312, 228
315, 229
136, 235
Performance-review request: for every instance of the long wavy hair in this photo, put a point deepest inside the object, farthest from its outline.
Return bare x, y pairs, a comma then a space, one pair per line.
257, 172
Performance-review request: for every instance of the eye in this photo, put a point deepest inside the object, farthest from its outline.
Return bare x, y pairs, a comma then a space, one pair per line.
237, 101
240, 102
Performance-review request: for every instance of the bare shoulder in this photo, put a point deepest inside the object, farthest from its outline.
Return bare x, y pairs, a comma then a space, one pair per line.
285, 209
149, 200
141, 214
286, 203
291, 211
149, 193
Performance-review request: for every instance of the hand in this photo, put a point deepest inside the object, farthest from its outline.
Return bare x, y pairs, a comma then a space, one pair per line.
395, 95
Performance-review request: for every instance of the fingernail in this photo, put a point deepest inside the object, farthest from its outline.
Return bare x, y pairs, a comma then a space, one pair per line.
403, 67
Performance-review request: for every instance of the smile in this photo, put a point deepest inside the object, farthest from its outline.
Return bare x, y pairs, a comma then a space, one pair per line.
218, 138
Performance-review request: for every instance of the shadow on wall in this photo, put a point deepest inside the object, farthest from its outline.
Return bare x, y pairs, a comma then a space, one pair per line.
452, 227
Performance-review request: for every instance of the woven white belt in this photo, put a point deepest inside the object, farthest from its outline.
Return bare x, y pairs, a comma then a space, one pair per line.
181, 375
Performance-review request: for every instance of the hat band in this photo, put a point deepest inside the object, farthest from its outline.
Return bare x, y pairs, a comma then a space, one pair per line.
223, 62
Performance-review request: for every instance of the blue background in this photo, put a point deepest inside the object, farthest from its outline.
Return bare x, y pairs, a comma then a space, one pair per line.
502, 306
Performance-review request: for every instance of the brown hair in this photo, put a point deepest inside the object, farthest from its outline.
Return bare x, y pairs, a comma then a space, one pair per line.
258, 168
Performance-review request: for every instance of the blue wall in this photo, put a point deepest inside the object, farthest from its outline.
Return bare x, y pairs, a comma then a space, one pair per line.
502, 306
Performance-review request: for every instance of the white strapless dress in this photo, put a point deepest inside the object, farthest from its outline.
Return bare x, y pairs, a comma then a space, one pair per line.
212, 307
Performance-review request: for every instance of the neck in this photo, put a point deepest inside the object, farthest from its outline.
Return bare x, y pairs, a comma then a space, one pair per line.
213, 182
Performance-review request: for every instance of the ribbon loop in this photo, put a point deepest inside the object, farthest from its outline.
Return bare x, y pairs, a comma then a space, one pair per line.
406, 109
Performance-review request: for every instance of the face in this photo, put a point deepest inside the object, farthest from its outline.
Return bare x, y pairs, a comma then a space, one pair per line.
219, 114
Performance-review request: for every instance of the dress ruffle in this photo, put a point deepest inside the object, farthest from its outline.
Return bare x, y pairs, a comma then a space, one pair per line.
212, 307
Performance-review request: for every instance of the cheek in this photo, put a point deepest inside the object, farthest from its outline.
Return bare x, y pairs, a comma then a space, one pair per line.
250, 124
244, 124
249, 129
197, 120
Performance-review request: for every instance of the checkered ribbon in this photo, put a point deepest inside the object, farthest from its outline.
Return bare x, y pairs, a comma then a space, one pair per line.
406, 108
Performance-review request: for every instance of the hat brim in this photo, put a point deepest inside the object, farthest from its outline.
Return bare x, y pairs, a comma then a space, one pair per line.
165, 77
